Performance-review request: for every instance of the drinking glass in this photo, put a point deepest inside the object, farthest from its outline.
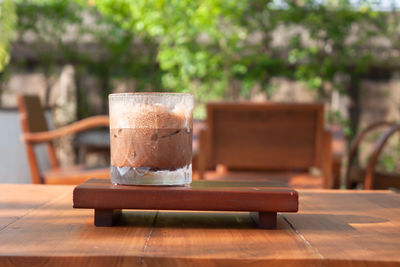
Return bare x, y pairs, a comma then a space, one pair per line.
151, 138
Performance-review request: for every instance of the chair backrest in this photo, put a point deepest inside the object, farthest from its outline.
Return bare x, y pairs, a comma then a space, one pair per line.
32, 121
380, 180
265, 136
32, 114
354, 148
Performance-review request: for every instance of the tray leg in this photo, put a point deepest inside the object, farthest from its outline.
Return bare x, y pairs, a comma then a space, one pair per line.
264, 220
105, 217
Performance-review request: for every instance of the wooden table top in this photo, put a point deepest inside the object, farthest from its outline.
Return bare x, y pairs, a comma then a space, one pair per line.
39, 226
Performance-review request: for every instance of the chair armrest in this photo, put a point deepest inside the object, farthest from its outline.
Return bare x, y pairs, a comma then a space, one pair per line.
79, 126
373, 160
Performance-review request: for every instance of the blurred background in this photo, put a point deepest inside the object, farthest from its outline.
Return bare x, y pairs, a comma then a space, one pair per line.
72, 54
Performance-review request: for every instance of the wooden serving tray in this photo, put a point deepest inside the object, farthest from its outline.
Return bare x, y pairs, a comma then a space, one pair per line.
262, 199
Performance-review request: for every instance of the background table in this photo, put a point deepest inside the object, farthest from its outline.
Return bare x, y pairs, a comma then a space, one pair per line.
39, 226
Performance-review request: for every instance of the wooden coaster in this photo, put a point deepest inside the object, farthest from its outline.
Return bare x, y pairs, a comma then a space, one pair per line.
262, 199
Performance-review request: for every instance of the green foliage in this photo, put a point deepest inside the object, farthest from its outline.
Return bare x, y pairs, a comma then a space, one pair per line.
204, 45
73, 32
338, 36
389, 163
213, 48
390, 156
7, 27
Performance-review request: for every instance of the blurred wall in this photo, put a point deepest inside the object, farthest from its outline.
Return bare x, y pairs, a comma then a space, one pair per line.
13, 160
380, 101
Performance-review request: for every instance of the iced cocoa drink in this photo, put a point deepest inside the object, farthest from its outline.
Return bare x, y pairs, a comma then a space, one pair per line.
151, 138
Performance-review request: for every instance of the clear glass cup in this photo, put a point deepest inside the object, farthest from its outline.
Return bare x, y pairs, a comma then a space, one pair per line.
151, 138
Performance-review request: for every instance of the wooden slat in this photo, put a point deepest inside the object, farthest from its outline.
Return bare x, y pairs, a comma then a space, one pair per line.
56, 234
361, 229
16, 203
74, 175
33, 113
297, 180
384, 180
223, 239
79, 126
265, 135
200, 195
332, 228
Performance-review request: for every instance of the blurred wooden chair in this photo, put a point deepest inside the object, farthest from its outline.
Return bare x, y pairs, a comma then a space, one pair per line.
339, 147
35, 131
272, 140
369, 177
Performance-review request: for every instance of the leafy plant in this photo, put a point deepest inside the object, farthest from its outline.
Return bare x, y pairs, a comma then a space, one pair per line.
213, 48
73, 32
7, 27
204, 47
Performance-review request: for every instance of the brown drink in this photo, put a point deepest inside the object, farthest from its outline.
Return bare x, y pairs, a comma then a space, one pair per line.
151, 138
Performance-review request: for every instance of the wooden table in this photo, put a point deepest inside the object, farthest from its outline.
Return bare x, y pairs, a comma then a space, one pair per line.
39, 226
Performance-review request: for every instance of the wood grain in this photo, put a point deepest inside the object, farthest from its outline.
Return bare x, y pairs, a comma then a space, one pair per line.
56, 233
265, 135
223, 239
297, 180
360, 229
15, 204
332, 228
200, 195
74, 175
